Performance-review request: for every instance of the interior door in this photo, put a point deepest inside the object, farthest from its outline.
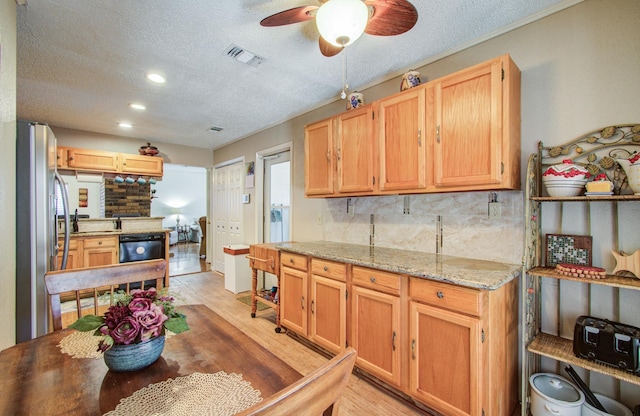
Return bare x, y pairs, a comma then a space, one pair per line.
277, 197
220, 214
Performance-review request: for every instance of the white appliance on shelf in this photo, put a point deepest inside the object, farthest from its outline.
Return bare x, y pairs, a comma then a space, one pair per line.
36, 225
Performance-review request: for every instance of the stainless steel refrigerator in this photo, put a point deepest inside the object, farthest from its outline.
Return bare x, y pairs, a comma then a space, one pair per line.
36, 225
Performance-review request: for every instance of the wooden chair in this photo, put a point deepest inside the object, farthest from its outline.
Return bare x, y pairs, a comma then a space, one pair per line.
87, 282
317, 393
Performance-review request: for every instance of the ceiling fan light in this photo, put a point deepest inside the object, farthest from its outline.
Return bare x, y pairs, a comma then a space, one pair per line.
341, 22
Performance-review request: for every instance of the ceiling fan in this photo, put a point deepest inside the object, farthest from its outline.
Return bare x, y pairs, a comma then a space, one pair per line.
341, 22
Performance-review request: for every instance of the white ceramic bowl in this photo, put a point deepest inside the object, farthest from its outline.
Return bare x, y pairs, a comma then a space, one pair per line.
558, 186
613, 407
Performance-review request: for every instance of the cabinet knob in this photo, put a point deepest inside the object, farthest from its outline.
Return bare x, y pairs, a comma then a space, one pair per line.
325, 268
372, 279
440, 294
291, 260
99, 243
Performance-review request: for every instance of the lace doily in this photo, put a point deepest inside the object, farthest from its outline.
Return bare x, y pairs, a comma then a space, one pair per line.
80, 344
218, 394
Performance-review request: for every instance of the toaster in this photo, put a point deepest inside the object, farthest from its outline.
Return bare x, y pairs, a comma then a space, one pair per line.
607, 342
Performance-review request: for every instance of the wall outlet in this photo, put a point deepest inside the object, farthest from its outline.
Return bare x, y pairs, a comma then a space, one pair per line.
494, 210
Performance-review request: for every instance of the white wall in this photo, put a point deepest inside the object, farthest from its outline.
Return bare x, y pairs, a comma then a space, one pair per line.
8, 177
182, 187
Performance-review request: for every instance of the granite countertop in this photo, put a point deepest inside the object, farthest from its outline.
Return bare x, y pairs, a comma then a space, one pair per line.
479, 274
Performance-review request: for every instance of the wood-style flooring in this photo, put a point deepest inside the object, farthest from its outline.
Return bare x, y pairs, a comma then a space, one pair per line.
184, 258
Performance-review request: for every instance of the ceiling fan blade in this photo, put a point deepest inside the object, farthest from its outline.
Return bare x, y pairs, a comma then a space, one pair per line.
287, 17
327, 49
391, 17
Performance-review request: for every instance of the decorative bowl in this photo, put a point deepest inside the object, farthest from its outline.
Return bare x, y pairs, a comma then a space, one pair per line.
134, 356
566, 179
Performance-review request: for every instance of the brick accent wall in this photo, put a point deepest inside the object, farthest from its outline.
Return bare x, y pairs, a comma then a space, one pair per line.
122, 198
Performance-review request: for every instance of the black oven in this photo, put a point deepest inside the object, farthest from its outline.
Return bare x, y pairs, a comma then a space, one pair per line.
138, 247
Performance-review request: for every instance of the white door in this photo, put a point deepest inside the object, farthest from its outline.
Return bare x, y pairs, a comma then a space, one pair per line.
277, 197
234, 203
220, 215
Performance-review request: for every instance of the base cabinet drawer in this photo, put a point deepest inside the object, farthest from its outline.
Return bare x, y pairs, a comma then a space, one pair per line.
447, 296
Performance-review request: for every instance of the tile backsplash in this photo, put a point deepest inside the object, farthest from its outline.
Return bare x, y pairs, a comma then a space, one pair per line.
410, 223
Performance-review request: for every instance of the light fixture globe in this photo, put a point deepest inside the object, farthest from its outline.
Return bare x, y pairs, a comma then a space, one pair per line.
341, 22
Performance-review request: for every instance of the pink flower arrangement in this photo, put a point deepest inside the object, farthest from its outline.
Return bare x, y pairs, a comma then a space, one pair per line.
136, 317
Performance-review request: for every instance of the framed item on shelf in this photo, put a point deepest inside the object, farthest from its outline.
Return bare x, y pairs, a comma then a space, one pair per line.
573, 249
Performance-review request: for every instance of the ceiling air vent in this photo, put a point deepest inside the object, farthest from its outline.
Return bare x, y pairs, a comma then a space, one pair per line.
215, 128
244, 56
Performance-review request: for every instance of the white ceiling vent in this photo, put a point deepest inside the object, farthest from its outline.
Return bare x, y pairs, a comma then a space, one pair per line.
244, 56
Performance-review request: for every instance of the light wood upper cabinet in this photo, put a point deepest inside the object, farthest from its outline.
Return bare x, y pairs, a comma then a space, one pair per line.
400, 124
477, 127
92, 160
70, 158
138, 164
355, 150
318, 158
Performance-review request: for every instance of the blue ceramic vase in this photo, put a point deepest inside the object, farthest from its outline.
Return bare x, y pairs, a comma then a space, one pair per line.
134, 356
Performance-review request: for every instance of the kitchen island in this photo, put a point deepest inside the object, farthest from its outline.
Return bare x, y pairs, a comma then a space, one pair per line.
440, 331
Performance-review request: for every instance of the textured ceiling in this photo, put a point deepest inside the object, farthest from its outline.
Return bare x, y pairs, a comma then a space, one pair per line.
81, 62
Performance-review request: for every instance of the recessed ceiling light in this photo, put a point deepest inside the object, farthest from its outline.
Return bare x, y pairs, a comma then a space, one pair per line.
136, 106
156, 78
125, 125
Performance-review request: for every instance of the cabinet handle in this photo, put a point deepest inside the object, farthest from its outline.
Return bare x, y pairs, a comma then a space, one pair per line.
419, 137
328, 156
393, 341
438, 134
372, 279
440, 294
338, 155
413, 349
302, 302
313, 311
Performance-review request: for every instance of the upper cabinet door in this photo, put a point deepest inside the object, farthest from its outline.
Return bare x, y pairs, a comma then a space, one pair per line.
400, 124
138, 164
94, 160
477, 126
318, 158
354, 150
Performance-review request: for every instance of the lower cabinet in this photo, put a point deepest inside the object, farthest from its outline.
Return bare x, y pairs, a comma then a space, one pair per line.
100, 251
375, 317
293, 297
328, 305
376, 333
464, 347
74, 257
445, 359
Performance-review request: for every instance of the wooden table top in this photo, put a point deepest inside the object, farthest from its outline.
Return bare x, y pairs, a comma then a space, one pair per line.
37, 378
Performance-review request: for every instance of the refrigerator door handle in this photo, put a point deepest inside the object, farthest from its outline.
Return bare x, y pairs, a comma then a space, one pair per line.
65, 207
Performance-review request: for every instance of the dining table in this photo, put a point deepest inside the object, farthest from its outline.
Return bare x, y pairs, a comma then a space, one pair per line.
37, 378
